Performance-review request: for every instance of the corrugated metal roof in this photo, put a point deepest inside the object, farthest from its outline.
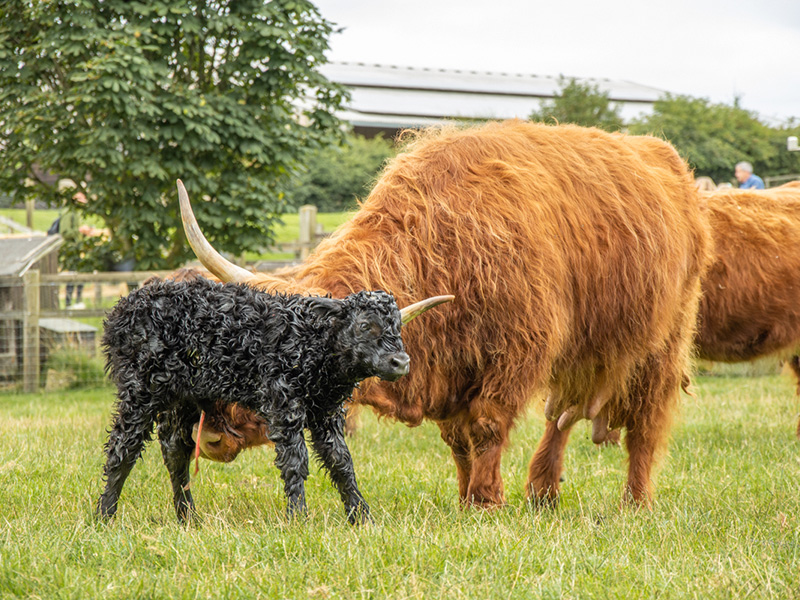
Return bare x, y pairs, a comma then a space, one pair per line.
20, 251
406, 96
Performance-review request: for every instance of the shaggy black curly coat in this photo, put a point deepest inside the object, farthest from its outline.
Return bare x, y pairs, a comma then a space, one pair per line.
175, 348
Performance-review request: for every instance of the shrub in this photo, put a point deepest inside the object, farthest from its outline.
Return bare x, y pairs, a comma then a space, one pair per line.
337, 176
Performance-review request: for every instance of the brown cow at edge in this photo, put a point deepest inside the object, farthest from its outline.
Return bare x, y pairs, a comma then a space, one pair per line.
751, 294
575, 256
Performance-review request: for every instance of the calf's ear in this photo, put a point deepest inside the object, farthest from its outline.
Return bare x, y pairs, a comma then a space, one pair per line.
325, 307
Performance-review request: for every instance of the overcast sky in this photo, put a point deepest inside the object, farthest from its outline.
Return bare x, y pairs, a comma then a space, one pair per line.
714, 49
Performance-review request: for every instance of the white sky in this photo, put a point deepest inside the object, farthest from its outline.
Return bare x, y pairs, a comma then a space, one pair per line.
713, 49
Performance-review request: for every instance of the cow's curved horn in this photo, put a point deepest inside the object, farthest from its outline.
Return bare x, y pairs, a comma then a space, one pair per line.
416, 309
211, 259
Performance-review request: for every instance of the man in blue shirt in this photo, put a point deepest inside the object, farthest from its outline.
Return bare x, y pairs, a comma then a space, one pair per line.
744, 175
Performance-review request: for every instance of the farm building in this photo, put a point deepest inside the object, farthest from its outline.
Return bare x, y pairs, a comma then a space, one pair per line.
387, 98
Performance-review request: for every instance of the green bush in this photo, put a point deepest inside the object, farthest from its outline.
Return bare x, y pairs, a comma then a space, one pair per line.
581, 104
713, 137
336, 176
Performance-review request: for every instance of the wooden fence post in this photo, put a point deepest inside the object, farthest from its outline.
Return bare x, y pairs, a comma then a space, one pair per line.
29, 207
30, 332
308, 229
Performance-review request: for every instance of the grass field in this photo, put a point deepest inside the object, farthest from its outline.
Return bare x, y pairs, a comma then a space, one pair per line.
725, 523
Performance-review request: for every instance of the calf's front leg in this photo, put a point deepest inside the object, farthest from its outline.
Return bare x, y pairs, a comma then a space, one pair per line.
291, 457
175, 436
327, 438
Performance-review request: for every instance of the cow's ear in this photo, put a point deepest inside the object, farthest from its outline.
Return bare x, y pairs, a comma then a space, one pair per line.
325, 307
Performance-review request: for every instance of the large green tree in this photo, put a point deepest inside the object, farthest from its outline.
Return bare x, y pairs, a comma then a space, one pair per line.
712, 137
124, 97
581, 104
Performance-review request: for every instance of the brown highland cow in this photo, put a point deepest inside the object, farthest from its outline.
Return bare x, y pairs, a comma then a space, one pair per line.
575, 256
751, 294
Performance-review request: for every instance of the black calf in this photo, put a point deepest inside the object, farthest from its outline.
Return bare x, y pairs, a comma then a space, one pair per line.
175, 348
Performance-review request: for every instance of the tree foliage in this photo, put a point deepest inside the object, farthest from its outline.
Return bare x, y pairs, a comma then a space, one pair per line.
124, 97
336, 176
581, 104
714, 137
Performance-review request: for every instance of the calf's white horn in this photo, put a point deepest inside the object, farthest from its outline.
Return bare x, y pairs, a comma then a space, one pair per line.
416, 309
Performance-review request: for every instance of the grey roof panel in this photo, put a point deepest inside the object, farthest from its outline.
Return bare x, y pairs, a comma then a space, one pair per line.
19, 252
392, 97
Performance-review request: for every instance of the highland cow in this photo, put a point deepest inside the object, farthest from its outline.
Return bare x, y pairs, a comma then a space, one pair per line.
174, 348
749, 308
576, 258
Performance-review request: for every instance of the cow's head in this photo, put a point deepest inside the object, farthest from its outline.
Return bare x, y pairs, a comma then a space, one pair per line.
228, 429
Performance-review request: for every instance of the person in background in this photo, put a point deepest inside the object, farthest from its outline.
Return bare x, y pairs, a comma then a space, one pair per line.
69, 225
744, 175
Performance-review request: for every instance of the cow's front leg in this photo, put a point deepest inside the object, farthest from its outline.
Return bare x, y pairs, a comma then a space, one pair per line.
327, 438
455, 434
488, 436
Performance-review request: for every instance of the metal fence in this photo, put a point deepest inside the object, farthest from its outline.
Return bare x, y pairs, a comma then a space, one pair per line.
51, 325
780, 179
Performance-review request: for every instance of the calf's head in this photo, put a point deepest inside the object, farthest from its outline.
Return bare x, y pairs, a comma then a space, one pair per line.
367, 331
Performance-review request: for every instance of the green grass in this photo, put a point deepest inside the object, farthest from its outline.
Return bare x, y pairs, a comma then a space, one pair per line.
42, 218
725, 524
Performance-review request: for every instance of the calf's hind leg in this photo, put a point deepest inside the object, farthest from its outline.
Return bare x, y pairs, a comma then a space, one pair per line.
175, 436
131, 429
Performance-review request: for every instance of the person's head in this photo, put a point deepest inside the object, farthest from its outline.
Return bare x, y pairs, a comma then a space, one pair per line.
742, 171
